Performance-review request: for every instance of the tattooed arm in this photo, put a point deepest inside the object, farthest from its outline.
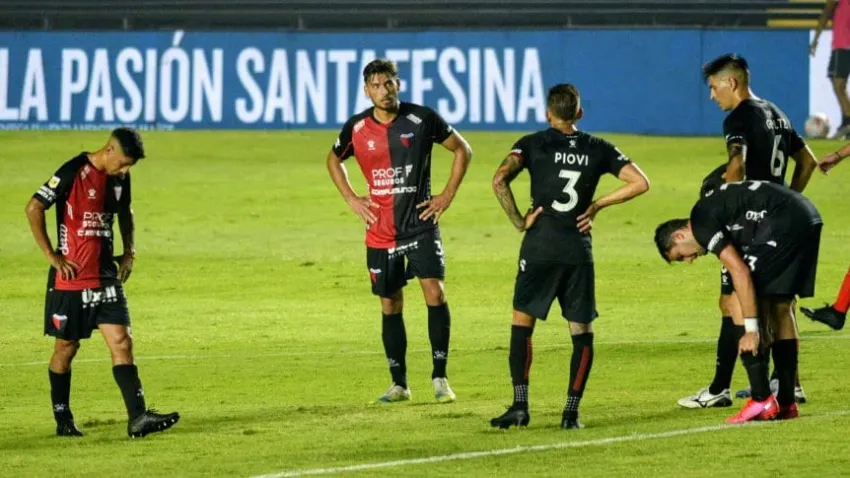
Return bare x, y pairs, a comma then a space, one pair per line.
735, 168
507, 172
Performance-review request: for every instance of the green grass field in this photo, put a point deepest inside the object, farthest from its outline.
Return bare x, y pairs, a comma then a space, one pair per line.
253, 317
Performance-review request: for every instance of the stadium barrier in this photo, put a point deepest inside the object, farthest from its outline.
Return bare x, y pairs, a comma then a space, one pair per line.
632, 80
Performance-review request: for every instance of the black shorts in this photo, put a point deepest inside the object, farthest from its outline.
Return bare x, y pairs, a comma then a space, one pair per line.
839, 64
74, 314
539, 283
786, 268
424, 257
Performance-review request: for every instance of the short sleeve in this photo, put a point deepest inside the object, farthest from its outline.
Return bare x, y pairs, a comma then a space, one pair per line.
613, 159
343, 147
436, 128
523, 148
58, 186
795, 142
707, 229
733, 131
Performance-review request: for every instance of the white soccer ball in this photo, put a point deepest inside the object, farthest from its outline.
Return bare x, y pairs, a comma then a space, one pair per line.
817, 126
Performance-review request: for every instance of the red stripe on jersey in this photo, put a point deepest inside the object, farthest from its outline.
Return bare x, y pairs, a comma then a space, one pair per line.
83, 227
372, 148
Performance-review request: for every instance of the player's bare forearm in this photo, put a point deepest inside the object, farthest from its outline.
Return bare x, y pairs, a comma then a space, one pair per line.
507, 172
735, 168
35, 215
127, 226
636, 184
339, 176
462, 157
825, 15
806, 164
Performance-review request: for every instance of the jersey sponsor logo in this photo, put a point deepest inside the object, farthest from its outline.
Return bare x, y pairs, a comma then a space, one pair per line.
63, 240
402, 249
54, 181
572, 143
756, 215
92, 193
391, 176
405, 139
394, 191
371, 144
715, 240
92, 297
414, 119
572, 159
359, 125
621, 157
516, 151
117, 190
46, 193
522, 265
337, 143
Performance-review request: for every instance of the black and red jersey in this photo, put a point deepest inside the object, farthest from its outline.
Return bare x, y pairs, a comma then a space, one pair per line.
86, 203
395, 158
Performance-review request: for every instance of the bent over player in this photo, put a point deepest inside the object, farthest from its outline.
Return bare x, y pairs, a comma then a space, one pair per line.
84, 290
392, 142
767, 237
555, 260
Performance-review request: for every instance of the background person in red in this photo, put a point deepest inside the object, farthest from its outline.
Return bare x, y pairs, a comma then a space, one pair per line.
839, 60
84, 289
392, 142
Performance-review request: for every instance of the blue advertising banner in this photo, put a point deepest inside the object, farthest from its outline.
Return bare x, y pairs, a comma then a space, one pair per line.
632, 81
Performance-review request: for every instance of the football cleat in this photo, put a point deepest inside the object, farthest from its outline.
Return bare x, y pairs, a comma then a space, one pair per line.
67, 428
151, 422
569, 423
442, 392
396, 393
706, 399
788, 412
800, 395
826, 315
754, 410
515, 416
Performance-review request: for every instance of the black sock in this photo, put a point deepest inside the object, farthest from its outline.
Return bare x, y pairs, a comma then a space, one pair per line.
127, 378
785, 366
580, 366
757, 366
395, 347
439, 329
727, 355
60, 395
520, 362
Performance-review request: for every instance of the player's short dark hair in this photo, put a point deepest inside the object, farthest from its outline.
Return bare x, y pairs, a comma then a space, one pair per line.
729, 61
713, 181
130, 141
378, 67
664, 235
563, 101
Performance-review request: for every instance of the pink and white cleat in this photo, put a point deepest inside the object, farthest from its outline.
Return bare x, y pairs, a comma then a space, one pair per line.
754, 410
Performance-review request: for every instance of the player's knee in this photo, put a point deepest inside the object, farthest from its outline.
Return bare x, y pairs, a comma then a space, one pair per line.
577, 328
394, 304
434, 293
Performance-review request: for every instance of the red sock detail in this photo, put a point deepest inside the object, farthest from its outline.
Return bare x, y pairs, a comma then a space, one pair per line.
528, 358
582, 370
843, 301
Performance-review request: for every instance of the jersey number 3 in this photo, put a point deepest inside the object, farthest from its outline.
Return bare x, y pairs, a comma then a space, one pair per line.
570, 189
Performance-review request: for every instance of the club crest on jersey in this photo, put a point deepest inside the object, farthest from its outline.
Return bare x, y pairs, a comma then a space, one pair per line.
59, 321
405, 139
117, 190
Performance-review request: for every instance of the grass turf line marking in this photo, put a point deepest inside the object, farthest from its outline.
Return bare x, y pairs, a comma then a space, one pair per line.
530, 448
381, 352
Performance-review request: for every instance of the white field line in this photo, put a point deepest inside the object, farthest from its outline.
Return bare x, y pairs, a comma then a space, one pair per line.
380, 352
526, 449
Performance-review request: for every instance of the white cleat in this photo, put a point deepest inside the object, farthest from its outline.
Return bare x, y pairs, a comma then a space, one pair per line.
396, 393
442, 392
706, 399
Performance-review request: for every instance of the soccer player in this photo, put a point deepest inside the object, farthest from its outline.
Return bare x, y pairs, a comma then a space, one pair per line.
836, 314
392, 142
555, 259
84, 285
767, 237
839, 60
759, 141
